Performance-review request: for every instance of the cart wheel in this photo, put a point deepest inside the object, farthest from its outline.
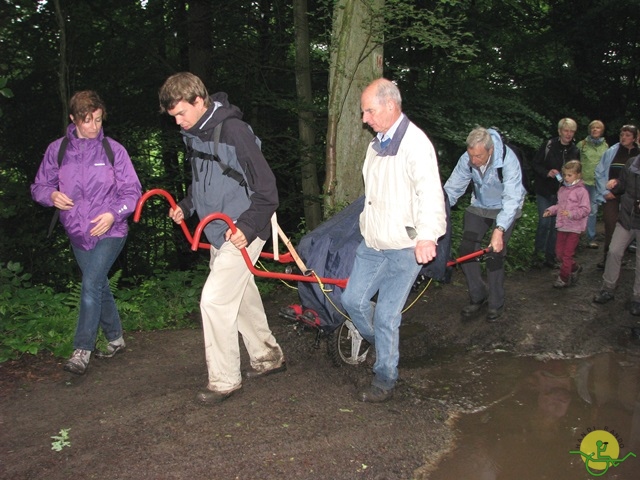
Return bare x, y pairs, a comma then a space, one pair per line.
346, 345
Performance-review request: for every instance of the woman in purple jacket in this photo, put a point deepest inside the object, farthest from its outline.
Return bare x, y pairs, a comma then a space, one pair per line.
571, 211
94, 194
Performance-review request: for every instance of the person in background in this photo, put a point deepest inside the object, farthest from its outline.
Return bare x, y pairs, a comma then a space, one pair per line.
626, 186
404, 215
496, 203
571, 212
611, 164
591, 150
547, 165
94, 197
240, 184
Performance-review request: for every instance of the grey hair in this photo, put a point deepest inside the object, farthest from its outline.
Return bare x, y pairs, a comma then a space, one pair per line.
387, 90
480, 135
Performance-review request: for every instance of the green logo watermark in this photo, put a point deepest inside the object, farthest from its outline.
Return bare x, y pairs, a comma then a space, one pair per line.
600, 450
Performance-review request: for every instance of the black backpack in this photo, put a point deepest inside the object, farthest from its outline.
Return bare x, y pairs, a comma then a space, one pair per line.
526, 179
61, 152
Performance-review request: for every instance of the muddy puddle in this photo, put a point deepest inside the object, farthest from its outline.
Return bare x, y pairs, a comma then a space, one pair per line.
521, 418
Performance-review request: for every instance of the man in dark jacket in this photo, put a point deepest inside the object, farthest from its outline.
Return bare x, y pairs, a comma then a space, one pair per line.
627, 229
547, 166
230, 176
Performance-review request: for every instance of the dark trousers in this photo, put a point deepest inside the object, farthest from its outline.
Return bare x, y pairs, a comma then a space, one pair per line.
475, 228
610, 210
546, 231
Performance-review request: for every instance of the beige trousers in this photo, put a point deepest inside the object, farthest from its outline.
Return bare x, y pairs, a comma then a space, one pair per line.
231, 304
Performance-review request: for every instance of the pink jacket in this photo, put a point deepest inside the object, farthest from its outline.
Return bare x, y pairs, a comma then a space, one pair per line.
574, 199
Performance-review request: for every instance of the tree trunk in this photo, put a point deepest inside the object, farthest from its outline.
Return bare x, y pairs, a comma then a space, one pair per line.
199, 18
306, 127
63, 86
356, 60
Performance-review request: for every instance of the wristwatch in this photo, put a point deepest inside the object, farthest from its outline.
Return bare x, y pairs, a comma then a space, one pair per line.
500, 228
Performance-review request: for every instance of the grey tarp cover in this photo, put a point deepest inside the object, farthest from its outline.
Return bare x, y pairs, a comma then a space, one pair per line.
330, 249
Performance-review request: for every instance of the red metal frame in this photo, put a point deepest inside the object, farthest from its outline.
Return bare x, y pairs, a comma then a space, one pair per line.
195, 244
194, 241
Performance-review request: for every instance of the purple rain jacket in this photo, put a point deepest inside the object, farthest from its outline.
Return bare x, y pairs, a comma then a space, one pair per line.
95, 186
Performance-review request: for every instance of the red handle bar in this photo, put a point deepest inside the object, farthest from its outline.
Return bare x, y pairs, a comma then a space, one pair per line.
284, 258
473, 255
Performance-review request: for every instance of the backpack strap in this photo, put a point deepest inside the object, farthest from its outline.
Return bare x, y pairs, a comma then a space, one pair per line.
226, 169
107, 149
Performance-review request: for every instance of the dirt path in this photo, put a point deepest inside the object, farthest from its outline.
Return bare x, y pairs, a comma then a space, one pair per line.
134, 416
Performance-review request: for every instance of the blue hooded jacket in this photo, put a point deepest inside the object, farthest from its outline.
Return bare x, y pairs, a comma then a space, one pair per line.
503, 198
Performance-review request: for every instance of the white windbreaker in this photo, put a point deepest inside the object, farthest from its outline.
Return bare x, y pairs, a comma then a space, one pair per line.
402, 189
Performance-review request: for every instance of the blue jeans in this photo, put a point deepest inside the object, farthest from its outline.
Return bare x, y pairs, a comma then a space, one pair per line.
593, 215
390, 274
97, 305
546, 231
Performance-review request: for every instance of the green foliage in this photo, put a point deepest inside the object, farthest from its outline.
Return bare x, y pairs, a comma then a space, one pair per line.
163, 300
61, 440
4, 91
34, 318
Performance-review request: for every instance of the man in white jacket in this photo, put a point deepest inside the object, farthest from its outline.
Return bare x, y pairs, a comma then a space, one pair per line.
404, 216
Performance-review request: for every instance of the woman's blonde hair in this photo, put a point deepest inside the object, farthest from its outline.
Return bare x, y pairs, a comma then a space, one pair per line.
569, 123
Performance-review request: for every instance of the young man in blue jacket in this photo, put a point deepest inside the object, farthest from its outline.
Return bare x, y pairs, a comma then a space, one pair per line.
496, 203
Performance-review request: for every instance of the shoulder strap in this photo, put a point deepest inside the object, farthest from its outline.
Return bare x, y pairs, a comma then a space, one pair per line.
61, 152
226, 169
105, 144
107, 149
216, 139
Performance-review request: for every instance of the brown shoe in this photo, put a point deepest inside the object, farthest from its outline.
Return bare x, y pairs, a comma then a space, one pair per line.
375, 394
209, 397
252, 373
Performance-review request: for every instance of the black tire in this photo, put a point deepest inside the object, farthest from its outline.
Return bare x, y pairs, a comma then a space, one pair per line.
341, 343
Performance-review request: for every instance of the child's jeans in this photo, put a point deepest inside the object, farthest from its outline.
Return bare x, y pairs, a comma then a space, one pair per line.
566, 244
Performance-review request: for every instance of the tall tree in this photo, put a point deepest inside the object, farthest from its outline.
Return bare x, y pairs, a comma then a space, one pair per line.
306, 124
356, 60
63, 88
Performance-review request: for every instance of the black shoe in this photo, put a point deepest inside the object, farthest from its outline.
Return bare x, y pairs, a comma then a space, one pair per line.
600, 265
251, 373
494, 314
635, 309
551, 264
473, 308
375, 394
603, 297
209, 397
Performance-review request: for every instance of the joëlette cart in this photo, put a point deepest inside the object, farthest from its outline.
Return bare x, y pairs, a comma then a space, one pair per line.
329, 252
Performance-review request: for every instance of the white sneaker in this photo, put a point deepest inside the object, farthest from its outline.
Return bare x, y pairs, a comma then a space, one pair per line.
117, 346
78, 362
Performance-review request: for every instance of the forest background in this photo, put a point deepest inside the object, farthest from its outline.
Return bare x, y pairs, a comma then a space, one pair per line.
518, 65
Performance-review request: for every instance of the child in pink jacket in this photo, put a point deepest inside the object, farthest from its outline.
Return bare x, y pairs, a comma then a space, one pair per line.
572, 212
